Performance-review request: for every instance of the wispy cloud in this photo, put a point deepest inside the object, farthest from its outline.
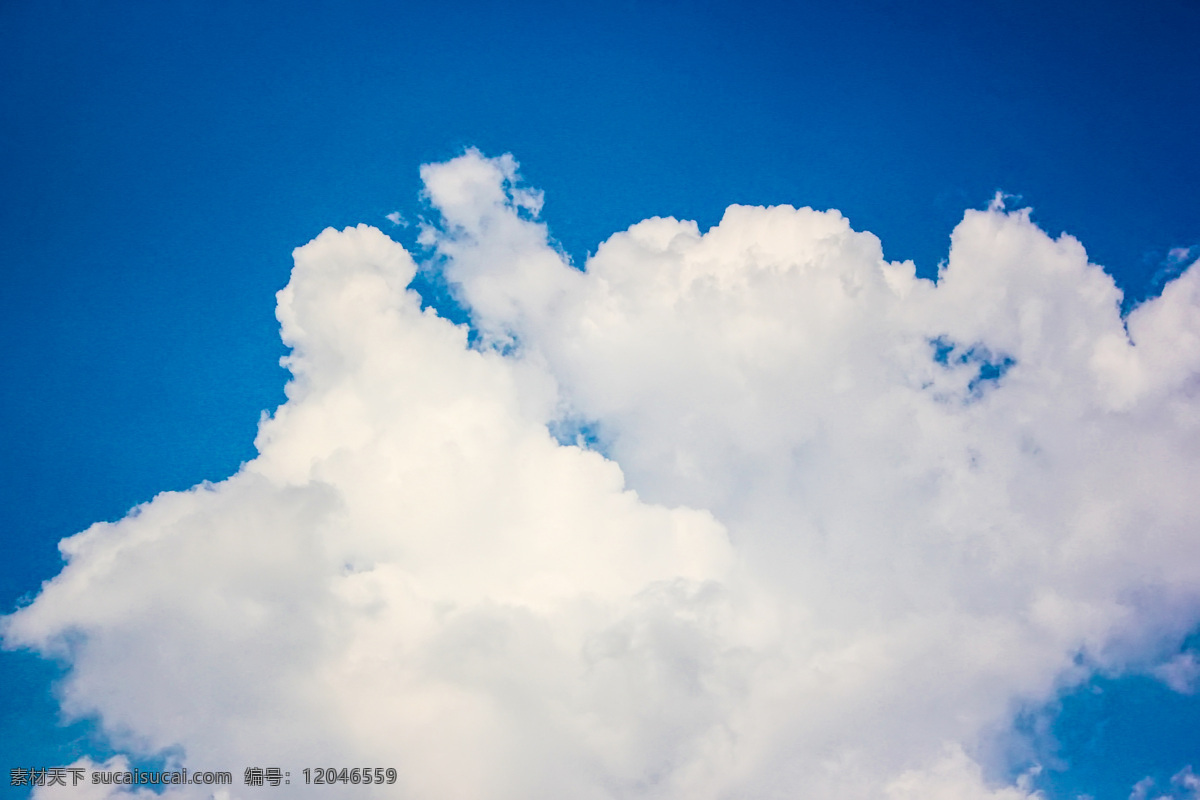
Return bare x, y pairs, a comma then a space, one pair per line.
1181, 673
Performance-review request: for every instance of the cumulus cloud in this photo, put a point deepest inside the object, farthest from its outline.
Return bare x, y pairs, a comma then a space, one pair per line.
76, 783
1185, 785
1187, 781
750, 512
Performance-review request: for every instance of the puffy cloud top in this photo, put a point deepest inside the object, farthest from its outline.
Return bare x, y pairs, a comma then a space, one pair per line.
745, 513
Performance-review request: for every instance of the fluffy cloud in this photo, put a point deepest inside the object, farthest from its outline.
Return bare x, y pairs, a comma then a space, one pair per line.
77, 784
1185, 785
744, 513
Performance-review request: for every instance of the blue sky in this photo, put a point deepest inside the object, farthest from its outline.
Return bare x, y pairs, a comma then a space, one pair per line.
162, 161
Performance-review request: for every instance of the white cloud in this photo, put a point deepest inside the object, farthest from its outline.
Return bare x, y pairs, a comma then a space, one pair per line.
1187, 781
1141, 789
1176, 261
956, 777
1185, 785
850, 520
1180, 673
1180, 255
76, 783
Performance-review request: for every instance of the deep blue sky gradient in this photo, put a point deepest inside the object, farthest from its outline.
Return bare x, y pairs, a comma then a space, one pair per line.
161, 160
